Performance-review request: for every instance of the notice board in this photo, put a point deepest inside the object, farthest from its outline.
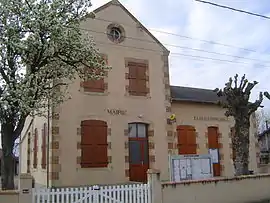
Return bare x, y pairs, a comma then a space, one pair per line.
190, 167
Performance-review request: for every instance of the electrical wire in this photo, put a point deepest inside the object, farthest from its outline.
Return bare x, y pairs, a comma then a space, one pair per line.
198, 58
181, 54
234, 9
178, 35
181, 47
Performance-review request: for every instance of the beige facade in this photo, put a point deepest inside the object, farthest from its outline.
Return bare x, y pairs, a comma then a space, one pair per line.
118, 108
201, 116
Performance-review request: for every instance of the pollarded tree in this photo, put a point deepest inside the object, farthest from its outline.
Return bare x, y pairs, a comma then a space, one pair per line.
42, 50
235, 98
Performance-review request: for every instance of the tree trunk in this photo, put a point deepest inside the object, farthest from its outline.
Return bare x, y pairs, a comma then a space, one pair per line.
240, 142
8, 161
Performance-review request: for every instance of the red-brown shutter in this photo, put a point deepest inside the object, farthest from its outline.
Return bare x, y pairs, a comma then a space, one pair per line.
186, 140
132, 78
94, 85
35, 149
137, 79
44, 135
28, 151
94, 144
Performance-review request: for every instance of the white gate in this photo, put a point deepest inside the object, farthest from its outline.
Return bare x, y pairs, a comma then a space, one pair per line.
132, 193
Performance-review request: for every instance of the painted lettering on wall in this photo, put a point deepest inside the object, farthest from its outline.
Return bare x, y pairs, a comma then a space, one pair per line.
210, 118
117, 111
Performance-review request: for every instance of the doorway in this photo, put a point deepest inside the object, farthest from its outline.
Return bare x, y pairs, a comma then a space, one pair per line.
138, 152
213, 144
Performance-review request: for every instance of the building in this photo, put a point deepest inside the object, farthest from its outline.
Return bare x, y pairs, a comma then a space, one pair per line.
264, 144
129, 112
197, 113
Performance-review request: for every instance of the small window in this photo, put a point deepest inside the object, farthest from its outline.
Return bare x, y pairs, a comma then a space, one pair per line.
116, 33
137, 130
141, 130
132, 130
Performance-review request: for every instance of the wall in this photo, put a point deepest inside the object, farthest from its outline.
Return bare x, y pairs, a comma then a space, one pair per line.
24, 195
264, 168
185, 113
232, 190
39, 174
9, 196
246, 189
84, 106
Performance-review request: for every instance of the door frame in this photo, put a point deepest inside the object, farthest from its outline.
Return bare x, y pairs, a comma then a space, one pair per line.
140, 140
216, 166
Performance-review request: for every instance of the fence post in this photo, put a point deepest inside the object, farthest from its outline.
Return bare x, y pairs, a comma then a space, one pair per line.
153, 177
25, 195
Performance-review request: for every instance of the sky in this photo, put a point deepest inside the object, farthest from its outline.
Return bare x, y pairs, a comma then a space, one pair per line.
246, 35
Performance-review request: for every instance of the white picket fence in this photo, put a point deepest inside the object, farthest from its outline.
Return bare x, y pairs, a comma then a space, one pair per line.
132, 193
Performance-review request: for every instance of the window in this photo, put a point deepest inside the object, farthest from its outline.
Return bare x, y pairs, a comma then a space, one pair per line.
137, 130
116, 33
94, 144
94, 85
186, 137
35, 149
137, 79
44, 146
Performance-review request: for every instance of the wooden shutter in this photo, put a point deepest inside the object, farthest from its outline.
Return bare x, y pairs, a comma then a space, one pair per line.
94, 144
186, 140
94, 85
43, 148
137, 79
35, 149
28, 151
191, 140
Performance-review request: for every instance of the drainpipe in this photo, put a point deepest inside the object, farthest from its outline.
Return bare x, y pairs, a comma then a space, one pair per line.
48, 143
20, 161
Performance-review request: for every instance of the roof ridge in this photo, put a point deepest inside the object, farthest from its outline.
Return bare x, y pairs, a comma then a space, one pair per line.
198, 88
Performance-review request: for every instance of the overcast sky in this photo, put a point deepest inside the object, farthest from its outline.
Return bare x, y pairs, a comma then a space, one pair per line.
250, 34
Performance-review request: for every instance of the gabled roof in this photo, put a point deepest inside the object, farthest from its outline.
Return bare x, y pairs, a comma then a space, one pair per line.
116, 2
190, 94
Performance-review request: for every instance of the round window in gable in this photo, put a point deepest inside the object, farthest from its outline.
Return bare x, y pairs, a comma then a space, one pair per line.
116, 33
